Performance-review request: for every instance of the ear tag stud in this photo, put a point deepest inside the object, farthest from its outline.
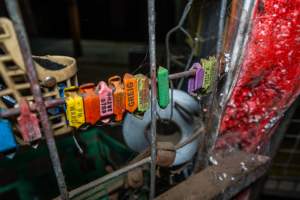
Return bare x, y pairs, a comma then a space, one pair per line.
91, 103
28, 123
74, 107
131, 92
143, 92
118, 97
163, 87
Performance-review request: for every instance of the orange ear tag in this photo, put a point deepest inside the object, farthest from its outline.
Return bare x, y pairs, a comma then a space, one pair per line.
131, 96
118, 97
74, 107
91, 103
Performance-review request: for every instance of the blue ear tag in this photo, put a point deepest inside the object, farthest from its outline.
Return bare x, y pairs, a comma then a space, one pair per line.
7, 140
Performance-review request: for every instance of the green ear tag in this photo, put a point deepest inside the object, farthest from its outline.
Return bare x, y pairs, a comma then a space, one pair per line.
209, 66
163, 87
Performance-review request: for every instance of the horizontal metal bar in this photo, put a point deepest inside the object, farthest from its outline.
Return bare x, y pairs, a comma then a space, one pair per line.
55, 102
108, 177
193, 137
182, 74
16, 111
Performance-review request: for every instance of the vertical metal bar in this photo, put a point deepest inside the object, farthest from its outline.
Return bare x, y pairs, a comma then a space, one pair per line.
75, 27
14, 12
214, 109
151, 29
221, 29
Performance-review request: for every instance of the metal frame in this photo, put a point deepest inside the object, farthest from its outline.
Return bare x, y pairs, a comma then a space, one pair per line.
40, 105
14, 12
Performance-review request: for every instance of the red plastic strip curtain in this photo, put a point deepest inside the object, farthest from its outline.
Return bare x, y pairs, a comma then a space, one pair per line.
269, 80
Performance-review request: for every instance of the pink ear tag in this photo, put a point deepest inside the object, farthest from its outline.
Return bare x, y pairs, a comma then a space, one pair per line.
106, 100
28, 123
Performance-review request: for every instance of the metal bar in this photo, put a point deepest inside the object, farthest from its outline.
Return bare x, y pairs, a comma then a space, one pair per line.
75, 27
14, 12
33, 107
108, 177
182, 74
221, 29
193, 137
214, 109
55, 102
152, 52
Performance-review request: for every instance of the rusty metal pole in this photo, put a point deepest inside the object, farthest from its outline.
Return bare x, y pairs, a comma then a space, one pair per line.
214, 115
14, 12
151, 27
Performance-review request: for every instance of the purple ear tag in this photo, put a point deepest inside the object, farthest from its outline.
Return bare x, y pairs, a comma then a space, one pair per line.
196, 82
191, 84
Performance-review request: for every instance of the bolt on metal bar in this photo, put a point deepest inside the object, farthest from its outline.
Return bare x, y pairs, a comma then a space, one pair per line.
152, 52
14, 12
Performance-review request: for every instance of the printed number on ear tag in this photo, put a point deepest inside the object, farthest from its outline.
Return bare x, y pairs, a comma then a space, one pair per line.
105, 95
91, 103
163, 87
131, 92
28, 123
75, 109
7, 141
118, 97
143, 92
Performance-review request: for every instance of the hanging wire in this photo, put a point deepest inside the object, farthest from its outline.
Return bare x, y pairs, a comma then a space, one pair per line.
172, 100
77, 144
141, 65
179, 27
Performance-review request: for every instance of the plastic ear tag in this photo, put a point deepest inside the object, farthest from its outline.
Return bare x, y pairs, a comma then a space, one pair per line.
61, 88
118, 97
131, 92
143, 92
163, 87
105, 95
28, 123
208, 65
74, 107
91, 103
196, 82
7, 141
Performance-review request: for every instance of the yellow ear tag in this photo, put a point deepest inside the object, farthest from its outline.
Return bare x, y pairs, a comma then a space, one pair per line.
143, 92
75, 109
